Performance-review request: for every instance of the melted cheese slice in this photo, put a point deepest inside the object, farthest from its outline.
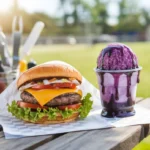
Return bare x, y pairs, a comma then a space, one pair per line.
46, 95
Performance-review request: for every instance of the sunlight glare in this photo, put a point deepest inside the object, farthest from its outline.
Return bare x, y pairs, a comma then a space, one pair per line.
5, 4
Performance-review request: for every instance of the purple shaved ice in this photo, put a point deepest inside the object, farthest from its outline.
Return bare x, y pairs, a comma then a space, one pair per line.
117, 57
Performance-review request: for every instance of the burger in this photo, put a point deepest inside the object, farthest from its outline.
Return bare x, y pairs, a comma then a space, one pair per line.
50, 94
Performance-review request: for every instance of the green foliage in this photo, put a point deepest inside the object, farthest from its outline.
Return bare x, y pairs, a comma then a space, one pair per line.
130, 24
129, 16
33, 116
146, 16
143, 145
97, 13
88, 17
29, 20
97, 19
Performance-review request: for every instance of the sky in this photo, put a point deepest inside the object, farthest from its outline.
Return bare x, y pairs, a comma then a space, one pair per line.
52, 8
48, 6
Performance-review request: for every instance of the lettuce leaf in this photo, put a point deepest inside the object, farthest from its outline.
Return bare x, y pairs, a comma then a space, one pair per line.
86, 106
33, 116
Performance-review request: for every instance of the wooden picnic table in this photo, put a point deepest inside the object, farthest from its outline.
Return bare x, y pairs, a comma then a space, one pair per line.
124, 138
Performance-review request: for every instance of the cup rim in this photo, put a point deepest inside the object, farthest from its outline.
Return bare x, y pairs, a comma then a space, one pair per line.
118, 71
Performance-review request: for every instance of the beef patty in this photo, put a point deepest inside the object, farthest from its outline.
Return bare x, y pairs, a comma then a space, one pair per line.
64, 99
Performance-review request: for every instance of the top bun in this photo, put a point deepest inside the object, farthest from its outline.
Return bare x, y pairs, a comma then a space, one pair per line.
49, 69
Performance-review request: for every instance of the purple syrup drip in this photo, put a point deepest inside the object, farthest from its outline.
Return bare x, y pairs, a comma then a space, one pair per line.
122, 54
116, 83
116, 95
112, 109
129, 84
138, 77
109, 51
102, 83
130, 102
110, 105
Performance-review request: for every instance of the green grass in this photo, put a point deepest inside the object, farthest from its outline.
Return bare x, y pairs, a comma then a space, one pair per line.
84, 57
143, 145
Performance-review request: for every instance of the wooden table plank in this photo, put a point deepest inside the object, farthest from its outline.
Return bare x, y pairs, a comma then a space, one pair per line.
1, 134
115, 139
25, 143
146, 104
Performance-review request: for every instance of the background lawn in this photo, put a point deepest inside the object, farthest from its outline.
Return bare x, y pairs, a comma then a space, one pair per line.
84, 57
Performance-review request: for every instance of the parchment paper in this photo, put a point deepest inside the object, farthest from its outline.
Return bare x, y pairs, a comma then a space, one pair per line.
15, 128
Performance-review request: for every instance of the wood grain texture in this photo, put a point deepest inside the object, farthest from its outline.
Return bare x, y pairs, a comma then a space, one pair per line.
114, 138
146, 104
1, 134
25, 143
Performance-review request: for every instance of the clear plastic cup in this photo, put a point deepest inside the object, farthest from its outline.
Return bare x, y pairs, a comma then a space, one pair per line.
118, 91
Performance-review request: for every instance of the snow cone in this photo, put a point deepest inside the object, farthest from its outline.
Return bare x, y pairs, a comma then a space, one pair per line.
118, 74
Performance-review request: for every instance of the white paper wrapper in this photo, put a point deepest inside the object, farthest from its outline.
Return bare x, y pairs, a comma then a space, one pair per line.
15, 128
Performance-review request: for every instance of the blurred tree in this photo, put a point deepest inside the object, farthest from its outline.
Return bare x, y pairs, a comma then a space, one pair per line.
122, 9
28, 20
84, 15
99, 15
64, 14
74, 14
129, 16
72, 20
146, 17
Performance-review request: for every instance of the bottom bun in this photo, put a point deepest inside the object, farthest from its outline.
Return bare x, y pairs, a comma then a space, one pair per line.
59, 119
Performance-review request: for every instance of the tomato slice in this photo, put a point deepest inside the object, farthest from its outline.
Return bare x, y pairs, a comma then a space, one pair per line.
64, 85
73, 106
29, 105
41, 86
54, 86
